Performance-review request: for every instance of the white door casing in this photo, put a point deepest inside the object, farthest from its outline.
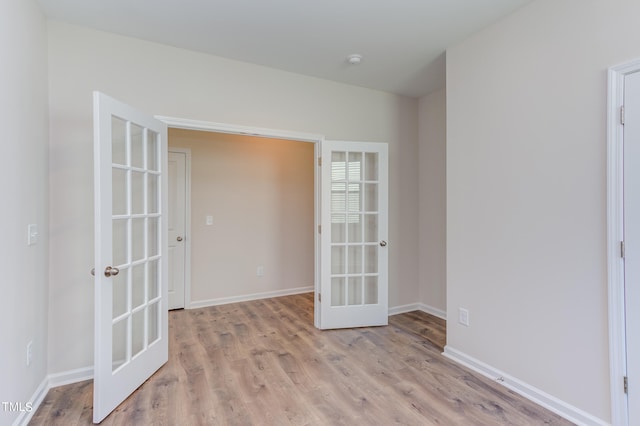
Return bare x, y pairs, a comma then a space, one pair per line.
178, 239
621, 123
131, 327
631, 167
354, 235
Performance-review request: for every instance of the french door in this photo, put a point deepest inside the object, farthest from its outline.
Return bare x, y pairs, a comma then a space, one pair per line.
131, 328
353, 235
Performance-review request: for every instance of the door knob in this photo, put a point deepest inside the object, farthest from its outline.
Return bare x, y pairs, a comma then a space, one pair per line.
108, 271
179, 238
111, 272
383, 243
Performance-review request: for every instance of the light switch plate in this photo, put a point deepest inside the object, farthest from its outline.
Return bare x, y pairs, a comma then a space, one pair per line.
32, 234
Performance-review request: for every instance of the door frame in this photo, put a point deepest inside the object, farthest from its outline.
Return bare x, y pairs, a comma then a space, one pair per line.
187, 221
615, 234
316, 139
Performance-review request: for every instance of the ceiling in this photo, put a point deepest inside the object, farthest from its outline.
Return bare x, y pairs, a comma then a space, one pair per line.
402, 41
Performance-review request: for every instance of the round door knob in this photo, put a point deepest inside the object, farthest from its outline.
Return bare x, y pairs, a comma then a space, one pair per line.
383, 243
111, 272
179, 238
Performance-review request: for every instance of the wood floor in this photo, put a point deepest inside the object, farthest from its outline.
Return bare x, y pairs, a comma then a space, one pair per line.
264, 363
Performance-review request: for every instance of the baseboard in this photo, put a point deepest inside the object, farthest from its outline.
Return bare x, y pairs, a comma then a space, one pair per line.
249, 297
71, 376
418, 307
25, 416
404, 308
538, 396
433, 311
52, 381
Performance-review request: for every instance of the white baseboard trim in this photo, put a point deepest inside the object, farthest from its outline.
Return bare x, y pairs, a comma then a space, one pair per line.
433, 311
538, 396
418, 307
25, 416
246, 298
403, 309
71, 376
52, 381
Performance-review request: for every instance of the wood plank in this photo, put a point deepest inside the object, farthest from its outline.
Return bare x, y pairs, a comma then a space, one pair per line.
263, 362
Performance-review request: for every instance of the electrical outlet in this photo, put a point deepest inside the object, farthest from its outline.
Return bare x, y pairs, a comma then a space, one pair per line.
260, 271
209, 220
463, 316
29, 353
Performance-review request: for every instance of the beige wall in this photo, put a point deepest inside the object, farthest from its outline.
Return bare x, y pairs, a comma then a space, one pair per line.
24, 189
173, 82
260, 193
432, 196
526, 193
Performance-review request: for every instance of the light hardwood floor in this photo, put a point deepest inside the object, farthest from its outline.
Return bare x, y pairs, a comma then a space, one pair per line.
264, 363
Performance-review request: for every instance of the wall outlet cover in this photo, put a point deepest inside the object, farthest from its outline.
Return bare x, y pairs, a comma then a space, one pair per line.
463, 316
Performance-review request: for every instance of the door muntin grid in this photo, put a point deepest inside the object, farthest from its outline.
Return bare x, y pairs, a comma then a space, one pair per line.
136, 225
355, 211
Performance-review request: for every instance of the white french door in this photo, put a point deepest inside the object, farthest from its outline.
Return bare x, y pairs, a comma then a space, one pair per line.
632, 240
131, 328
354, 227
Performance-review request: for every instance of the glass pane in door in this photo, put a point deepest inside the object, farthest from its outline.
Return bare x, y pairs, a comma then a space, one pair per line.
118, 141
119, 343
138, 325
338, 291
154, 322
137, 146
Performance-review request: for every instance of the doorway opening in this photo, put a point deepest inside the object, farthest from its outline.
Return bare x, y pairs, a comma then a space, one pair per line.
176, 125
252, 224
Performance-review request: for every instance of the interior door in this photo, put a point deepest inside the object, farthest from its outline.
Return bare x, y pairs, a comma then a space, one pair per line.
632, 240
131, 329
354, 226
177, 169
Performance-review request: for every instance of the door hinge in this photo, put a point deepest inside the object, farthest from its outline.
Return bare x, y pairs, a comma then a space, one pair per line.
320, 300
622, 115
319, 229
622, 249
319, 161
626, 384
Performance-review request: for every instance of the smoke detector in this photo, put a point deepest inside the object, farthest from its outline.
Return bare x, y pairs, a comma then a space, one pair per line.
354, 59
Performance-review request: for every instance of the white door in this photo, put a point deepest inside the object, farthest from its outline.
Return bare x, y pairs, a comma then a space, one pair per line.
131, 329
354, 250
632, 240
176, 228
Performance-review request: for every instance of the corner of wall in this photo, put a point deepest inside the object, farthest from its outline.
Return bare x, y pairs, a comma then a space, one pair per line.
432, 200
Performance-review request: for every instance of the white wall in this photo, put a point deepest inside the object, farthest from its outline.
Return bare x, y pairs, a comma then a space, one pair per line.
526, 193
432, 196
174, 82
260, 192
23, 179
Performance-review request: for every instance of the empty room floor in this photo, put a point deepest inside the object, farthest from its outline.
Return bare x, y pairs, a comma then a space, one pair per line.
264, 363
